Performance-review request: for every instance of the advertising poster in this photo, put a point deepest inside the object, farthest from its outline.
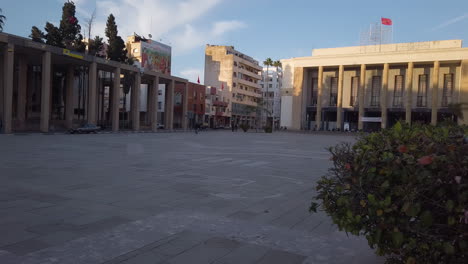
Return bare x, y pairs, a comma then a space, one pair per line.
156, 56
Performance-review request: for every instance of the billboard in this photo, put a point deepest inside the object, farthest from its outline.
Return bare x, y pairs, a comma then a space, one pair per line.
156, 56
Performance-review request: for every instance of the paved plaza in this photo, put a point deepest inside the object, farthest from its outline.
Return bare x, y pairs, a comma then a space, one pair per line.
216, 197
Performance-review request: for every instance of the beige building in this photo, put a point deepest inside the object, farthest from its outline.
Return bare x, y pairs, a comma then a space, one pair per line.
372, 87
238, 75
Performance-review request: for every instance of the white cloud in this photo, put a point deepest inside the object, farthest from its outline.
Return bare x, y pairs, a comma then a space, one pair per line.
172, 21
192, 74
222, 27
192, 38
450, 22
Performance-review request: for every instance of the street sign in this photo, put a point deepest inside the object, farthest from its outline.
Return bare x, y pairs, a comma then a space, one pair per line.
372, 119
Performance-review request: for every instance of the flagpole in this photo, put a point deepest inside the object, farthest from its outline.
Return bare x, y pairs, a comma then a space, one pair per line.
380, 47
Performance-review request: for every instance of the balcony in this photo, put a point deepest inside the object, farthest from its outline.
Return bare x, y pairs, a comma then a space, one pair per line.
248, 93
220, 103
248, 83
250, 74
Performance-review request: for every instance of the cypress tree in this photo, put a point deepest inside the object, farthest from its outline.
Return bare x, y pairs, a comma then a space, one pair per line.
37, 35
70, 28
116, 50
53, 36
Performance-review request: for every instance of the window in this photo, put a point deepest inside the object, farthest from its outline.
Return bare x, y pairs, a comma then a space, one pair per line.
270, 85
375, 92
234, 84
234, 74
448, 89
398, 91
333, 91
314, 91
159, 92
354, 91
422, 91
201, 107
235, 64
159, 105
194, 107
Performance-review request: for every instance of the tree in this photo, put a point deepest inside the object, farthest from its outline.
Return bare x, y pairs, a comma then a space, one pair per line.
70, 28
95, 46
268, 62
89, 26
53, 36
37, 35
116, 50
2, 21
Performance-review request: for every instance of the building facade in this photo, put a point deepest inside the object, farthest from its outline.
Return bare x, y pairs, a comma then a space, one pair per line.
372, 87
196, 104
271, 95
216, 108
46, 88
237, 75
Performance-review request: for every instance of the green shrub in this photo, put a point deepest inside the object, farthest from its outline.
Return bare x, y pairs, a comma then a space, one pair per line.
405, 189
244, 127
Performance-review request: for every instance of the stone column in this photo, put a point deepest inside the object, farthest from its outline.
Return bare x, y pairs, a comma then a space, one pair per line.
383, 96
318, 116
116, 100
135, 103
463, 94
22, 91
435, 93
409, 92
8, 67
185, 107
45, 94
169, 112
153, 104
361, 96
339, 109
92, 94
69, 96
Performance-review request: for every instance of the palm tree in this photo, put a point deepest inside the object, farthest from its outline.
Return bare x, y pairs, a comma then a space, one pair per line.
2, 21
268, 62
278, 65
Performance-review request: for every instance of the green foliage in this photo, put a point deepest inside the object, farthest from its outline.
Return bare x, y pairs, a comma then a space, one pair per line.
116, 50
95, 46
405, 189
53, 36
37, 35
244, 127
70, 28
2, 21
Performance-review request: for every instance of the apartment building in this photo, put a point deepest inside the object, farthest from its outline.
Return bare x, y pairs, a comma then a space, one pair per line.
271, 95
372, 87
237, 75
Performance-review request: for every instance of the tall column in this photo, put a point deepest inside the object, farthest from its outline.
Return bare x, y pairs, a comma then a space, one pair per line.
362, 88
383, 96
45, 94
318, 117
339, 110
92, 94
463, 94
409, 92
153, 104
22, 90
116, 100
169, 111
8, 67
185, 107
135, 103
69, 96
435, 93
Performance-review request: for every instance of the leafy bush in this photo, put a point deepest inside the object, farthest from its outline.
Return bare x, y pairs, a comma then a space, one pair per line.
405, 189
244, 127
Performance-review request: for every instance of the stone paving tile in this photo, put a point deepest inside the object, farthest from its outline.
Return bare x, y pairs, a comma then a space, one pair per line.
280, 257
26, 246
14, 233
58, 238
245, 254
51, 227
206, 252
101, 225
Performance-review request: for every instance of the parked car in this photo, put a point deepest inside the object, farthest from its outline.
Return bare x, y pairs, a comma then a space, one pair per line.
160, 126
88, 128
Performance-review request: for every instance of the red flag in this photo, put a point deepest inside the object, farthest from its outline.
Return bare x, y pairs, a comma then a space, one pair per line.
198, 80
222, 86
387, 21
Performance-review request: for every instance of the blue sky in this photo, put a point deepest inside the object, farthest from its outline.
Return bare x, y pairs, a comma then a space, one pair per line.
259, 28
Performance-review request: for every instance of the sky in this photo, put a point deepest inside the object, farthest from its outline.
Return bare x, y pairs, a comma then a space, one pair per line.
258, 28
